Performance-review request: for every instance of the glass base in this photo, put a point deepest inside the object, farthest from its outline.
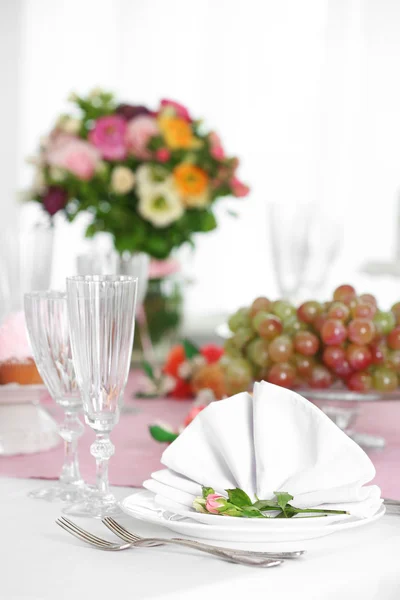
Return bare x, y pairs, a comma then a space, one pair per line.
96, 507
60, 493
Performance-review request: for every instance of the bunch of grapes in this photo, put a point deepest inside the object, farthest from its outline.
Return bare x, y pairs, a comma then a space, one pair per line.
316, 345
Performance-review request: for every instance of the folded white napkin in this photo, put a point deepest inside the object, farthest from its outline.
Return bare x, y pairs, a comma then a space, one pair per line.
274, 441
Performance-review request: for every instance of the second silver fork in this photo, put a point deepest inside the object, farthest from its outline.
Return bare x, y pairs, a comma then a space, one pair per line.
133, 538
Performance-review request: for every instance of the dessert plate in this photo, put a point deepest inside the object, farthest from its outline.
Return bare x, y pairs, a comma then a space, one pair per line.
142, 506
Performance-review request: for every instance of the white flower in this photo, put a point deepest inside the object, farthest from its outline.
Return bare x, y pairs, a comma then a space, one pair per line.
39, 184
57, 174
95, 92
122, 180
185, 370
70, 125
159, 204
147, 176
198, 361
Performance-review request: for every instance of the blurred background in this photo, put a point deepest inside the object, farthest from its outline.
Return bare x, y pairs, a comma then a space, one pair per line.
306, 94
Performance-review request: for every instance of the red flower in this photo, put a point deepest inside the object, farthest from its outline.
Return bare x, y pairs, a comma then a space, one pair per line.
182, 390
175, 358
55, 199
212, 353
192, 414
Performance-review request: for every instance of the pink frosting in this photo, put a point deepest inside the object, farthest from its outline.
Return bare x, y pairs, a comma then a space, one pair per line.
14, 342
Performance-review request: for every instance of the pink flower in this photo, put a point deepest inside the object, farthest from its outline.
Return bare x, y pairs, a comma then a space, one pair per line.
108, 135
216, 149
163, 154
239, 188
180, 110
139, 132
213, 503
73, 154
54, 200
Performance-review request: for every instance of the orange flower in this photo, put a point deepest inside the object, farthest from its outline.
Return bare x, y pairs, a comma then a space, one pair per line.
191, 182
177, 132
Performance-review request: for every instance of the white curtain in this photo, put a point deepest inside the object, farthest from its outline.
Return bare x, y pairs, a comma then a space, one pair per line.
306, 93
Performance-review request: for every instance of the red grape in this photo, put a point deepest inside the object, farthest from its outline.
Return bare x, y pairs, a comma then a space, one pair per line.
267, 325
379, 352
282, 374
360, 382
384, 379
303, 364
344, 293
308, 311
333, 332
306, 343
393, 339
319, 321
260, 304
333, 356
338, 310
396, 311
363, 310
369, 298
393, 360
280, 349
359, 357
320, 378
361, 331
343, 369
384, 322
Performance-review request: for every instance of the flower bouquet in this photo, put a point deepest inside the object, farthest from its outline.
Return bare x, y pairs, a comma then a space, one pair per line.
149, 178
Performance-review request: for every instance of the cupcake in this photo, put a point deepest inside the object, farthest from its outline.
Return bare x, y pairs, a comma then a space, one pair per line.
16, 362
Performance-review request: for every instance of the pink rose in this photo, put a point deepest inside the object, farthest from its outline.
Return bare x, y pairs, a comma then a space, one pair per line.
216, 149
239, 188
73, 154
163, 154
213, 503
180, 110
108, 135
139, 132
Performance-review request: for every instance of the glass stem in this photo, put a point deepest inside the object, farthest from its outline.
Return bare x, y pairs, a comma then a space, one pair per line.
102, 450
70, 431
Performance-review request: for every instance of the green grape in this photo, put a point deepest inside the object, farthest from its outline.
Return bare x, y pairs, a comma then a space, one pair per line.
281, 349
384, 379
230, 348
283, 309
238, 375
393, 360
291, 325
240, 318
242, 337
384, 322
257, 352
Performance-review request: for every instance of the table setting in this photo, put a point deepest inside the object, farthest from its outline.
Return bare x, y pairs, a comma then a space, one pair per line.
261, 461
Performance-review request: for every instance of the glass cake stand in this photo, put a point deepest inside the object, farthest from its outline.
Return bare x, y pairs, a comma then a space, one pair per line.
344, 406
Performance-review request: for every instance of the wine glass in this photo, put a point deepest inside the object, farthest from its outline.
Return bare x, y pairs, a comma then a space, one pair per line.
101, 311
47, 323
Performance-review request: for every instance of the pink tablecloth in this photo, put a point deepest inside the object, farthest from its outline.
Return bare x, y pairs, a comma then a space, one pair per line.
137, 455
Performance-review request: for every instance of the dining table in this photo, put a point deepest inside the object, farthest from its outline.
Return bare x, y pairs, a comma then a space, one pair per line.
40, 561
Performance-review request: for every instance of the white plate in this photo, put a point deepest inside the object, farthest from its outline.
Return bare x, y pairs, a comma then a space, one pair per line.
141, 506
14, 393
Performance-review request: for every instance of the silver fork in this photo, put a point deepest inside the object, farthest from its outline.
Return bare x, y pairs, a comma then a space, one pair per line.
86, 536
133, 538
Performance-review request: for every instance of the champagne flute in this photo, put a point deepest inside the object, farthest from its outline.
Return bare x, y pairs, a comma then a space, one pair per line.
47, 324
101, 311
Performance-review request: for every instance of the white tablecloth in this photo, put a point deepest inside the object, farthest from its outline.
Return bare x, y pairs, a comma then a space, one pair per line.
39, 561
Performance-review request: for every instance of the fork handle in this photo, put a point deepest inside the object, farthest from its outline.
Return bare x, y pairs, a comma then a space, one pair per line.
254, 561
276, 555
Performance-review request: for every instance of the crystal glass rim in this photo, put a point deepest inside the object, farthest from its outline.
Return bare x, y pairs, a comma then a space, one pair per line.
102, 279
48, 294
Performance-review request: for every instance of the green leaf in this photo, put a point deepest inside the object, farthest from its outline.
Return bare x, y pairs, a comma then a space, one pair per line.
190, 349
206, 491
282, 499
161, 434
252, 512
148, 369
266, 505
238, 497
